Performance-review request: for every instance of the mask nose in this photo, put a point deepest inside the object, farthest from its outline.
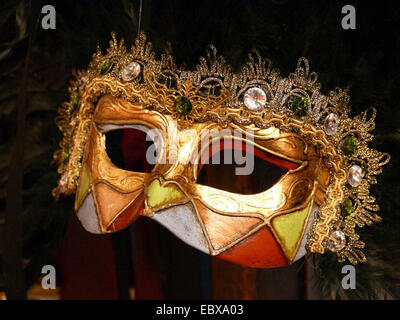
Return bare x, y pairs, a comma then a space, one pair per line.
161, 194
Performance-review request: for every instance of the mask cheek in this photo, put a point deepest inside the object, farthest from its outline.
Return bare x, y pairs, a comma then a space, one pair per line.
83, 187
84, 203
87, 215
105, 209
260, 250
116, 210
224, 230
183, 222
289, 230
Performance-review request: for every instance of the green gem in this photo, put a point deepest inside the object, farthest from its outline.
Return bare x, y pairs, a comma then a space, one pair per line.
349, 146
76, 101
347, 208
300, 106
65, 156
182, 105
106, 67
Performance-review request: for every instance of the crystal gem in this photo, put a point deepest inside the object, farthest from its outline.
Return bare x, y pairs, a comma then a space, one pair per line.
300, 106
349, 146
331, 124
71, 126
347, 208
130, 72
182, 105
63, 182
336, 241
355, 176
255, 99
84, 78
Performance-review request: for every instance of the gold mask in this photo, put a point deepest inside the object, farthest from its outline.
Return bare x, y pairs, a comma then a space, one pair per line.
315, 205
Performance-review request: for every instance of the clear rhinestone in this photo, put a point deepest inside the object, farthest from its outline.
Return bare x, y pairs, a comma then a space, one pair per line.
331, 124
71, 125
355, 176
130, 72
255, 99
82, 81
63, 183
84, 78
336, 241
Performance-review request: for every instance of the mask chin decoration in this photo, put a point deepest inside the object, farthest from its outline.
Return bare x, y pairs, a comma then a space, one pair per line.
305, 173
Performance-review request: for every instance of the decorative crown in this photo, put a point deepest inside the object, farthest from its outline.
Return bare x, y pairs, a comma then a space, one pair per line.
256, 95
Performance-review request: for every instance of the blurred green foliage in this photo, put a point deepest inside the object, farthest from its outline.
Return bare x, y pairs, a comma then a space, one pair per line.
366, 60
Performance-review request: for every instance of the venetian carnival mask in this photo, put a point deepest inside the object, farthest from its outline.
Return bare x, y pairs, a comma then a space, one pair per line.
302, 167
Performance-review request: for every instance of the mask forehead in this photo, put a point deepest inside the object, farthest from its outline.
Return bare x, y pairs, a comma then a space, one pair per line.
110, 110
287, 145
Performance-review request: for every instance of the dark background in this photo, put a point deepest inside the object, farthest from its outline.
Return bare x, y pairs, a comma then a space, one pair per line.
365, 60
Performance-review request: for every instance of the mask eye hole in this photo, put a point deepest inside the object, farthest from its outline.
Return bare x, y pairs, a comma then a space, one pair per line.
127, 149
267, 170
